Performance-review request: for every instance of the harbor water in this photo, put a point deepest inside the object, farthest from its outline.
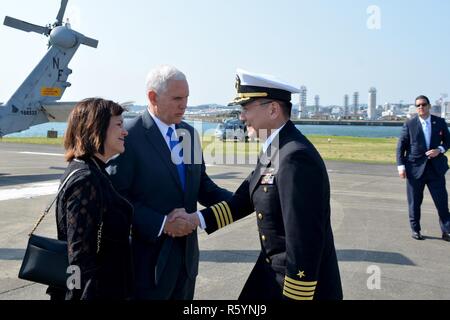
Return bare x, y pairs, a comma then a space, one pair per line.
323, 130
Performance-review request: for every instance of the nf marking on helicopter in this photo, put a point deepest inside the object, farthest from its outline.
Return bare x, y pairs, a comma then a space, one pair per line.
36, 100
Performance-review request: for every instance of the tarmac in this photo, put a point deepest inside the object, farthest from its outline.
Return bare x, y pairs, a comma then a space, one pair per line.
378, 259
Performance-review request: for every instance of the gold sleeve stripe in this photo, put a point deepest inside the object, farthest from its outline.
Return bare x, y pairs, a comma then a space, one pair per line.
287, 294
220, 215
230, 216
302, 294
299, 288
301, 283
224, 213
227, 212
219, 225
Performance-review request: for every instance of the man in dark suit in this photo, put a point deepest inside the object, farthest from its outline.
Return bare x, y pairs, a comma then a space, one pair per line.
160, 174
421, 160
290, 192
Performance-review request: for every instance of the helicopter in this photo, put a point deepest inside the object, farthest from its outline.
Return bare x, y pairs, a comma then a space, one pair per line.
36, 101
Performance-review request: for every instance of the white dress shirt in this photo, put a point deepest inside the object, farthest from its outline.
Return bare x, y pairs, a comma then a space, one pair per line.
163, 129
269, 140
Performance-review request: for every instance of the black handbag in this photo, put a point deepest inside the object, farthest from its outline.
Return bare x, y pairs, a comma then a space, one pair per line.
46, 260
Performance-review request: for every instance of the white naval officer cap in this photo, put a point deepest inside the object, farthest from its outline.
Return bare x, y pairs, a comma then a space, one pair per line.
251, 86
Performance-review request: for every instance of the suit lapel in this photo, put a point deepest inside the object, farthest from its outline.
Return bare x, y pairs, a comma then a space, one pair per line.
265, 163
269, 161
155, 139
256, 177
189, 182
434, 132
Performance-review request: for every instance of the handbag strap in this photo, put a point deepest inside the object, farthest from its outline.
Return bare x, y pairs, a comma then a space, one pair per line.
51, 204
100, 227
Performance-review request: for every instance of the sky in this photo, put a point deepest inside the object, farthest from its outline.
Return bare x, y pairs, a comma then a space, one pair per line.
400, 47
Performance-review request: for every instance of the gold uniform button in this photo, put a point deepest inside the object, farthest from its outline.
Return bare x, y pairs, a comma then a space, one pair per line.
267, 260
266, 189
260, 216
263, 237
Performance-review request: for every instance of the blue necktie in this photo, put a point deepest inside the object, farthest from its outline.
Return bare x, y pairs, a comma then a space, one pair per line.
427, 134
180, 166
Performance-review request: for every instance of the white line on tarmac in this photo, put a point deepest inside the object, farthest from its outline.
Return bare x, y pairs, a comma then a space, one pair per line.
43, 154
30, 191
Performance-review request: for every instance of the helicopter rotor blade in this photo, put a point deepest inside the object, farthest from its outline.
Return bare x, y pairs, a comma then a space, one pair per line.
25, 26
89, 42
62, 10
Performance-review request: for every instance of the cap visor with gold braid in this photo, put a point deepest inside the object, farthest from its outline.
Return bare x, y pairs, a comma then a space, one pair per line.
250, 86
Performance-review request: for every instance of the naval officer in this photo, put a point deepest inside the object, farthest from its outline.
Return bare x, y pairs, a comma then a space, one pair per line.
290, 192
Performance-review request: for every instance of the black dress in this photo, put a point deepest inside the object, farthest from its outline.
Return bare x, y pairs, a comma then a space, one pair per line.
88, 201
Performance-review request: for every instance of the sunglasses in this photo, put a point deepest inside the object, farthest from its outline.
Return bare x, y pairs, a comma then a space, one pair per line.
421, 105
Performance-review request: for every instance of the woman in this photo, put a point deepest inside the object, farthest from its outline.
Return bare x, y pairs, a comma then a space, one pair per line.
91, 216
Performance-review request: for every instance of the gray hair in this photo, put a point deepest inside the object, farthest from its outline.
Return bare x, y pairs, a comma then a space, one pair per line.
158, 78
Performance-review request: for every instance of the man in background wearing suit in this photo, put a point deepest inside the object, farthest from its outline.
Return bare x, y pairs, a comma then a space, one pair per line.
421, 160
159, 175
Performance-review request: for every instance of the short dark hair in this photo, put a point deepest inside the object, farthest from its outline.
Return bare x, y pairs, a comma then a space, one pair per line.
87, 126
422, 97
286, 107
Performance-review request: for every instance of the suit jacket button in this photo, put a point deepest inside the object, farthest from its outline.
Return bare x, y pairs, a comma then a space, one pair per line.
266, 189
267, 260
260, 216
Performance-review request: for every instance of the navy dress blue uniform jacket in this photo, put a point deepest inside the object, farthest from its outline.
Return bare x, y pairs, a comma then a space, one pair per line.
148, 178
290, 192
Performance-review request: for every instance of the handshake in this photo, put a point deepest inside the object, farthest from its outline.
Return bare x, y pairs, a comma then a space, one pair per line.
179, 223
